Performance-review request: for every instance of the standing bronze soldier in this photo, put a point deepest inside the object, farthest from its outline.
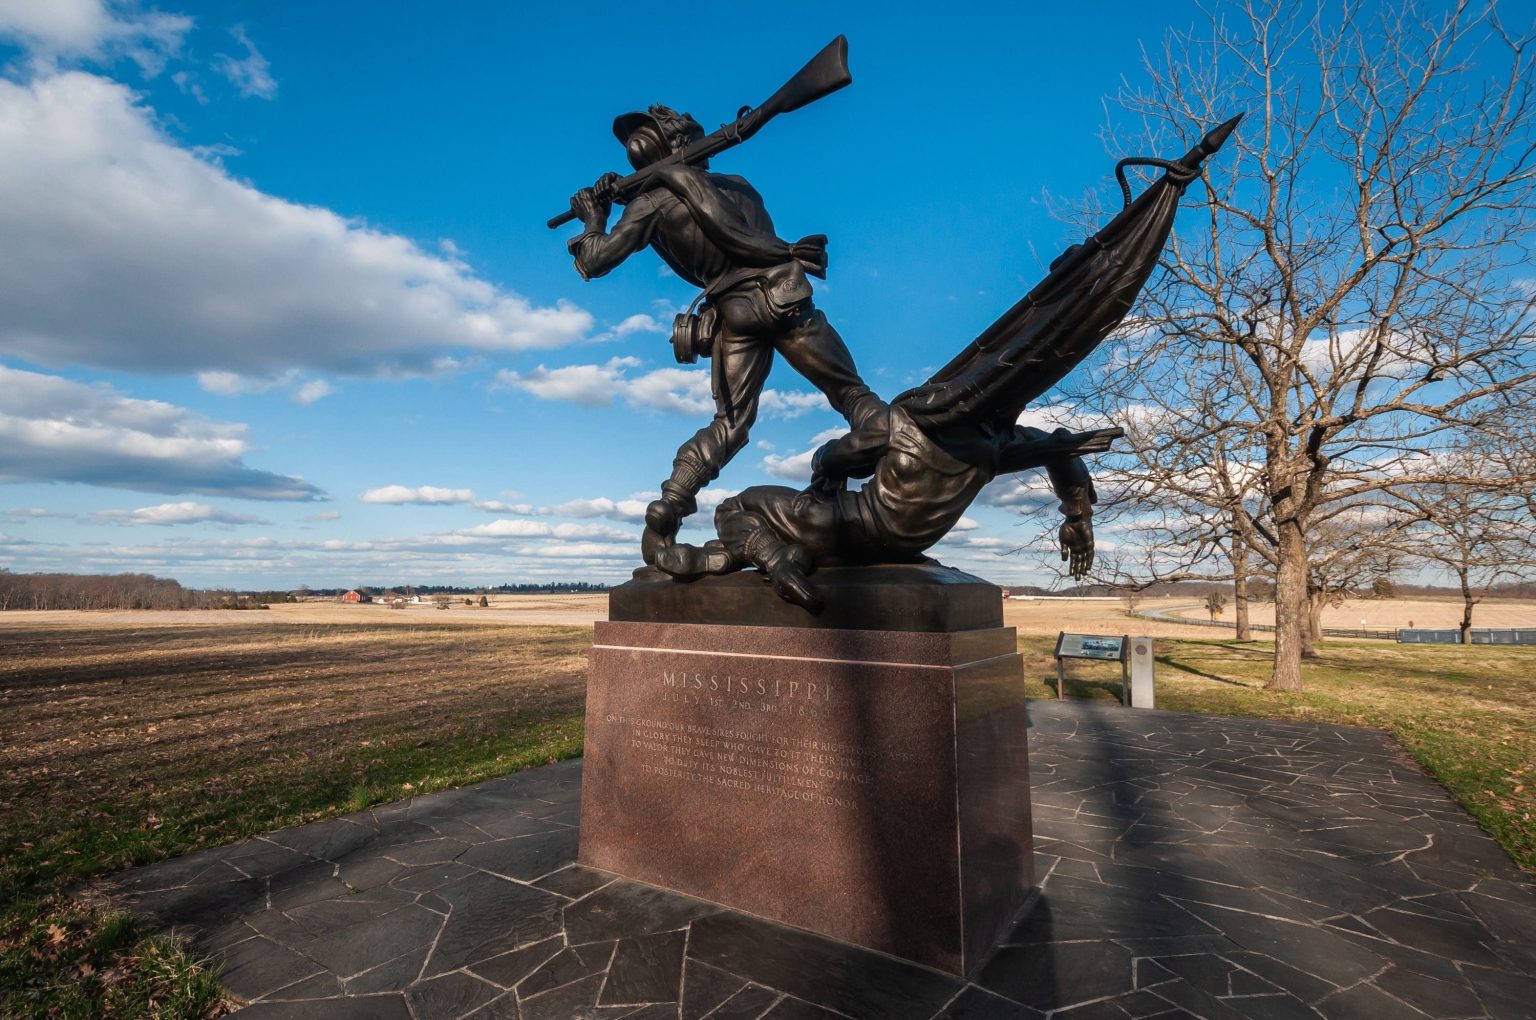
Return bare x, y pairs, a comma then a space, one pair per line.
714, 231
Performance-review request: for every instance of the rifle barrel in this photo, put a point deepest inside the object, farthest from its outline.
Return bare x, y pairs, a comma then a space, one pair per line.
824, 74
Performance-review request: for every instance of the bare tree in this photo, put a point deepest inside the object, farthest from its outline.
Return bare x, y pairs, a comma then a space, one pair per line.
1349, 546
1478, 534
1181, 504
1346, 290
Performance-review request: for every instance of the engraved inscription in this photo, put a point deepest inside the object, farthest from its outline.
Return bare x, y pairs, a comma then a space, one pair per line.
740, 692
804, 769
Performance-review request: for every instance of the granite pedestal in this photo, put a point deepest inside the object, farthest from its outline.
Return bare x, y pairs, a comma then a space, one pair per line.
860, 782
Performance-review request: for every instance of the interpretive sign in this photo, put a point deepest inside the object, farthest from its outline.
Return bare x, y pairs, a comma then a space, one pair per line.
1103, 647
1090, 646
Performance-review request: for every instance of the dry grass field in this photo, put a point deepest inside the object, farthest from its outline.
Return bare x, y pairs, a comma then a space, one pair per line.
123, 742
504, 610
1090, 616
1033, 617
1390, 614
101, 725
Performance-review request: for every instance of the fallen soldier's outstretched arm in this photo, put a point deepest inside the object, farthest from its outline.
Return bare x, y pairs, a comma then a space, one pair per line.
1060, 453
1074, 487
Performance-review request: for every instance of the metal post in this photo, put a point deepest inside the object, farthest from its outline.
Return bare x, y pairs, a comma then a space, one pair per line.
1059, 678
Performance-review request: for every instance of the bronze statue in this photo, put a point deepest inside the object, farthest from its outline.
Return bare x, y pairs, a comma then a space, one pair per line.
714, 231
930, 451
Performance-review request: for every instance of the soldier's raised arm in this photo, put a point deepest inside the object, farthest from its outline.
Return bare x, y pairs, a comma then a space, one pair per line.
598, 250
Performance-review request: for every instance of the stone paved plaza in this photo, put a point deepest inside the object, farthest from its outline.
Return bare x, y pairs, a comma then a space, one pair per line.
1191, 866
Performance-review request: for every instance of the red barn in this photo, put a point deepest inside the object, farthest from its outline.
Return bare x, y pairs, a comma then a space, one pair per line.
351, 596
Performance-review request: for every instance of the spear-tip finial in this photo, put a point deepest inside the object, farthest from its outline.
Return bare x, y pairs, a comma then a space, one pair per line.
1217, 136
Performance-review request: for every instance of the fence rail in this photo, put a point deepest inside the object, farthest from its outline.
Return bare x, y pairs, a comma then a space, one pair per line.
1479, 635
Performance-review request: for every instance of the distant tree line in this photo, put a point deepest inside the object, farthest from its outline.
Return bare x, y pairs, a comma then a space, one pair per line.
545, 588
119, 591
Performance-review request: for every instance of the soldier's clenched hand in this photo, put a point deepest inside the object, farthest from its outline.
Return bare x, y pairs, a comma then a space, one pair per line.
591, 208
825, 482
605, 186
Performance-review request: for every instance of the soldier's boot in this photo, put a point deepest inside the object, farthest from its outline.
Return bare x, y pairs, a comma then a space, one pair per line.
664, 516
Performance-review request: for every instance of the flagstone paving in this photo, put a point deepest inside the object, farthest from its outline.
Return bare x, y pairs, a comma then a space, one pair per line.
1191, 866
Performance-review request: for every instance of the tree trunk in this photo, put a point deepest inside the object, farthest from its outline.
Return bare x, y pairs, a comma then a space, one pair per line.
1317, 601
1466, 607
1290, 607
1240, 590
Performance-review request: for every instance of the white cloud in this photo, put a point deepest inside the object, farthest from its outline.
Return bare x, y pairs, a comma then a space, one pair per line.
666, 390
640, 323
266, 561
496, 506
586, 385
167, 514
324, 515
796, 467
250, 74
508, 528
427, 495
127, 251
671, 391
584, 550
631, 509
233, 384
708, 499
56, 430
187, 82
35, 513
55, 30
788, 405
432, 495
308, 393
1053, 416
1026, 493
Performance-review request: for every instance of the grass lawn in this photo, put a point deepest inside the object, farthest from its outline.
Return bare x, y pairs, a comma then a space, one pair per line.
1468, 714
121, 745
124, 745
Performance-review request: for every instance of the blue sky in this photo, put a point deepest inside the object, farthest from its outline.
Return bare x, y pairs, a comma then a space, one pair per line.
278, 305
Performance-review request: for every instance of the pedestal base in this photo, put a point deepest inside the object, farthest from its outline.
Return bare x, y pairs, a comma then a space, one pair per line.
871, 786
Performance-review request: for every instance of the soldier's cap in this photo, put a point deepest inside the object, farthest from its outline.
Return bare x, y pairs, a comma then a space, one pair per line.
671, 125
626, 124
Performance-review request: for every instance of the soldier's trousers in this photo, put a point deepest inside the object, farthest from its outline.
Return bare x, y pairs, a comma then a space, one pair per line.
741, 360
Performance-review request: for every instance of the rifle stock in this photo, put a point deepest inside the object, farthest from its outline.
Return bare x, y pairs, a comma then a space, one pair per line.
824, 74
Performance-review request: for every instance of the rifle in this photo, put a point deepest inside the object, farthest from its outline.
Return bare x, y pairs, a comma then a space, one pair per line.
826, 72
